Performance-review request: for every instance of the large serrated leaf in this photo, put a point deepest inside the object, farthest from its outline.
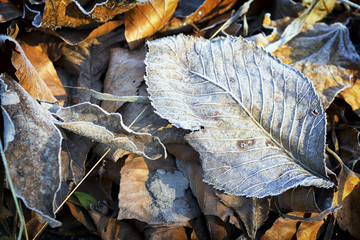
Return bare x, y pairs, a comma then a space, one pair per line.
258, 124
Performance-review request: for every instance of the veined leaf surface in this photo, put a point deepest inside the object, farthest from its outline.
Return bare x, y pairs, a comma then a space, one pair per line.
258, 124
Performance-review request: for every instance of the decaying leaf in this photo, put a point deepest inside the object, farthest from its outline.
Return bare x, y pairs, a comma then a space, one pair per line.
88, 62
348, 195
85, 14
168, 232
124, 75
252, 211
285, 228
205, 194
326, 55
34, 154
207, 10
38, 56
91, 121
257, 124
28, 77
155, 193
146, 19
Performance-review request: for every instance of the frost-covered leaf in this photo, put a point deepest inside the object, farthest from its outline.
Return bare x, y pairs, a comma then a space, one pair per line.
155, 192
326, 55
146, 19
258, 124
34, 154
91, 121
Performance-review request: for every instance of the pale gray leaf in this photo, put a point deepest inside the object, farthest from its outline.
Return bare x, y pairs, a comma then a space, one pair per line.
91, 121
258, 124
34, 154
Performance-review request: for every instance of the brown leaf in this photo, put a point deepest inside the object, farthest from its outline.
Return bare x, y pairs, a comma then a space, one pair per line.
154, 192
81, 214
285, 228
146, 19
168, 232
68, 13
348, 195
205, 194
252, 211
124, 75
88, 61
28, 77
351, 96
326, 55
110, 228
91, 121
38, 56
208, 10
34, 155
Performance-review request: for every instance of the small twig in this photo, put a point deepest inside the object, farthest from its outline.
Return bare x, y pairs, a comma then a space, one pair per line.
316, 218
110, 97
71, 193
138, 116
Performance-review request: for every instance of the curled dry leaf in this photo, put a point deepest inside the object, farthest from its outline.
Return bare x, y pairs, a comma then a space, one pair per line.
28, 77
205, 194
38, 56
124, 75
206, 11
110, 228
257, 123
155, 192
326, 55
34, 154
72, 14
253, 212
146, 19
89, 120
285, 228
348, 216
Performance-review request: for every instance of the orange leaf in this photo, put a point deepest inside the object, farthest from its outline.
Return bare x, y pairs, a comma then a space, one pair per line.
145, 20
28, 77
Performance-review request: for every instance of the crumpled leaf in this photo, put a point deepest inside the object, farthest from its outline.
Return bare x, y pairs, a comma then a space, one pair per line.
144, 20
91, 121
285, 228
348, 195
252, 211
315, 12
73, 14
205, 194
110, 228
37, 53
88, 62
155, 192
34, 155
207, 10
124, 75
326, 55
245, 110
28, 77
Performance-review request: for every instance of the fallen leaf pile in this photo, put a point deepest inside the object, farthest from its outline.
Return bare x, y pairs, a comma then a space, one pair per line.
174, 119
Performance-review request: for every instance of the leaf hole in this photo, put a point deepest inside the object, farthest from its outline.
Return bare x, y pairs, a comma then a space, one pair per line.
315, 112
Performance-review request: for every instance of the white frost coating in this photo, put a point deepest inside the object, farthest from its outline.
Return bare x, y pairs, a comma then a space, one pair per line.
258, 124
